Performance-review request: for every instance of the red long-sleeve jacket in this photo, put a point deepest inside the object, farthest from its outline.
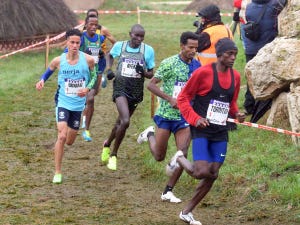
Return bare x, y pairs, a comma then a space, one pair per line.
201, 83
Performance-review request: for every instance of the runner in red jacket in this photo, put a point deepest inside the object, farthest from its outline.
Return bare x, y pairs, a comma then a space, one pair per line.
205, 102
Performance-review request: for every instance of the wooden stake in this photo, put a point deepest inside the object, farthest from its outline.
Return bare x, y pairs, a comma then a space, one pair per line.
152, 105
138, 14
47, 51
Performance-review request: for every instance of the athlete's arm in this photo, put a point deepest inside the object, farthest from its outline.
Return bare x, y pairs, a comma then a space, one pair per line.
93, 76
54, 64
148, 73
108, 35
190, 90
150, 62
233, 105
152, 86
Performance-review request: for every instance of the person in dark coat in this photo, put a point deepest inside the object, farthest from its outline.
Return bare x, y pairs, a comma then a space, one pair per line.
269, 30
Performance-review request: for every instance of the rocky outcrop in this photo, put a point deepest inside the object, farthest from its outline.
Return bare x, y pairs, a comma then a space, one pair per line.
293, 103
275, 71
274, 68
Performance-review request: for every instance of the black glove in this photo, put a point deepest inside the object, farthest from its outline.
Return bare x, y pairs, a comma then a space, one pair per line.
110, 74
139, 69
88, 51
101, 54
236, 16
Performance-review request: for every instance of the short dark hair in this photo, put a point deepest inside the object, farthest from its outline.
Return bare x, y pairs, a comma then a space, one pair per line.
137, 27
188, 35
73, 32
91, 16
92, 10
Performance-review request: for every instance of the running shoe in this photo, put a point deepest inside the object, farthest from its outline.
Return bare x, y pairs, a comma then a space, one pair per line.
170, 197
173, 164
189, 218
143, 136
112, 163
86, 135
105, 154
57, 179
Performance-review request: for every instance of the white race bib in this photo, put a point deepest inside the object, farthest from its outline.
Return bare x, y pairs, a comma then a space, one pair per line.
217, 112
128, 68
73, 86
177, 88
95, 54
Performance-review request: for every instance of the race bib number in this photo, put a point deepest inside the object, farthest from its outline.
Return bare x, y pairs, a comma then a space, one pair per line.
217, 112
177, 88
73, 86
95, 54
128, 68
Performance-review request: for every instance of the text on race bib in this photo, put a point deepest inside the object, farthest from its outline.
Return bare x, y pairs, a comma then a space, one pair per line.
128, 67
73, 86
177, 88
95, 53
217, 112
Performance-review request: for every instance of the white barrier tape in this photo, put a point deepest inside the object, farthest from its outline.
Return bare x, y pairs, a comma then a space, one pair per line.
146, 11
259, 126
107, 11
37, 44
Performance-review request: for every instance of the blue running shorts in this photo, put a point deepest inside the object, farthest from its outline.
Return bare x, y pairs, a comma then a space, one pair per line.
211, 151
171, 125
71, 117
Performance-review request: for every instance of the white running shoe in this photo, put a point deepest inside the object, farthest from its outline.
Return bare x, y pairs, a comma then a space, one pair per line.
189, 218
173, 164
143, 136
169, 196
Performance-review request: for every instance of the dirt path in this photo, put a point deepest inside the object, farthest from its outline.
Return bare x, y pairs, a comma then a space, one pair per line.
92, 194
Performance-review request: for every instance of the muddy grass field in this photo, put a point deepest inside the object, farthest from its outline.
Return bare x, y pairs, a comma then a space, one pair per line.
92, 194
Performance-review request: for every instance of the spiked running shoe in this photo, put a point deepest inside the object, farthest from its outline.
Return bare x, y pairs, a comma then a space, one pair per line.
86, 135
173, 164
189, 218
169, 196
105, 154
57, 179
112, 163
143, 136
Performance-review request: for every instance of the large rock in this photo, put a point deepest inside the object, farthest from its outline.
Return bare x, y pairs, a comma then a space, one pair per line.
279, 116
289, 20
273, 68
293, 103
274, 73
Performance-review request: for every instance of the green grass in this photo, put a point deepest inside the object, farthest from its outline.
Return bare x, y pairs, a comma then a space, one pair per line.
261, 172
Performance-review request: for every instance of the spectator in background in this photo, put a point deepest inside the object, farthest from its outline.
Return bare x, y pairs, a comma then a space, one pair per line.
239, 15
269, 30
210, 30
